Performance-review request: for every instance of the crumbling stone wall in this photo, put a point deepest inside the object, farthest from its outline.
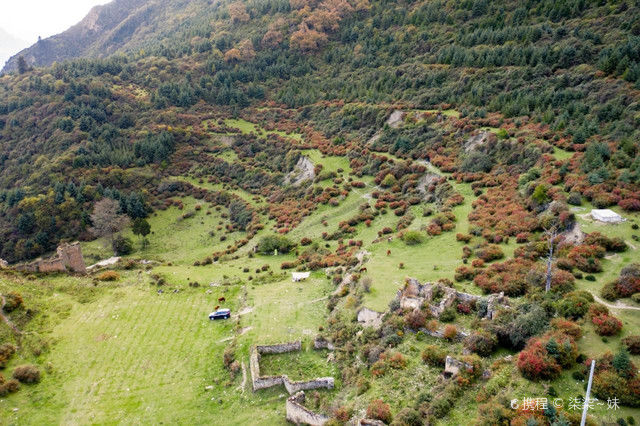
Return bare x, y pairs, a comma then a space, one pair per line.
414, 295
321, 343
68, 258
297, 413
279, 348
71, 256
262, 382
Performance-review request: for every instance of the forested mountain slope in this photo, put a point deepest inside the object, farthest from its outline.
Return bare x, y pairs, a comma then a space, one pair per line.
568, 69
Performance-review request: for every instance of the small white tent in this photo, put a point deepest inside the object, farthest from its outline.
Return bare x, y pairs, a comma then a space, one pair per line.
299, 276
606, 216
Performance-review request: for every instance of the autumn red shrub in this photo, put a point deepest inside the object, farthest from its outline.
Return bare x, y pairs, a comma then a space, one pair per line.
535, 363
630, 204
489, 253
606, 325
434, 229
415, 319
463, 273
464, 308
434, 356
477, 263
586, 257
379, 410
463, 237
632, 343
597, 309
616, 377
544, 357
481, 342
567, 327
450, 332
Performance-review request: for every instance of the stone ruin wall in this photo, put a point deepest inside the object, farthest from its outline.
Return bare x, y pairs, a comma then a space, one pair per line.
415, 294
68, 258
263, 382
297, 413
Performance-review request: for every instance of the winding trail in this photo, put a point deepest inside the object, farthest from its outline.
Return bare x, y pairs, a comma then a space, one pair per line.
6, 319
617, 305
244, 378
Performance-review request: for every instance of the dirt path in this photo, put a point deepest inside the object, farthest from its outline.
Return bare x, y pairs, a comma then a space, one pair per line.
617, 305
244, 378
6, 319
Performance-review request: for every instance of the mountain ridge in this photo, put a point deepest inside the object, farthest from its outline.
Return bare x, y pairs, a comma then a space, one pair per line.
100, 33
9, 44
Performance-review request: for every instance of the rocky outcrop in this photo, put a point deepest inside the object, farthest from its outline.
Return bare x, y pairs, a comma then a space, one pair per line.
302, 172
453, 366
479, 139
4, 264
370, 318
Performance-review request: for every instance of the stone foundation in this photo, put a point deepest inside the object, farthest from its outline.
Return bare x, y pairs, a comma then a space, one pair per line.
414, 295
68, 258
298, 414
262, 382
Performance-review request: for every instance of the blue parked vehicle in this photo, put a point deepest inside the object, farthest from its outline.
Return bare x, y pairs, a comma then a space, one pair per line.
220, 314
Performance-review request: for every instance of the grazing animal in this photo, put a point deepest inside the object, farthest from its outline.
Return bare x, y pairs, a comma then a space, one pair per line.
221, 299
363, 269
388, 252
216, 308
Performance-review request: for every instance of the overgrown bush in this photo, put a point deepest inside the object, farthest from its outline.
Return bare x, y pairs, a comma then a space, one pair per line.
6, 352
434, 355
108, 276
450, 332
448, 314
269, 244
27, 373
13, 301
575, 305
632, 343
490, 253
412, 238
415, 319
481, 342
606, 325
122, 246
567, 327
8, 386
379, 410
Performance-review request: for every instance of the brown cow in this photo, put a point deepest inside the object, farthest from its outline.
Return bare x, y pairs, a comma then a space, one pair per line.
216, 308
221, 299
363, 269
388, 252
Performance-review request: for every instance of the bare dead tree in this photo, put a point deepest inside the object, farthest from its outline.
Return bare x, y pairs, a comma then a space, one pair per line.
107, 220
551, 235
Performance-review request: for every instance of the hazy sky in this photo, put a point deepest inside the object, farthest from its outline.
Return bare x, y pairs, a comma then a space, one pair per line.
28, 19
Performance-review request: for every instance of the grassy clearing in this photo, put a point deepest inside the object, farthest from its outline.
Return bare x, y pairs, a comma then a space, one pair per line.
303, 365
195, 242
561, 154
247, 127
